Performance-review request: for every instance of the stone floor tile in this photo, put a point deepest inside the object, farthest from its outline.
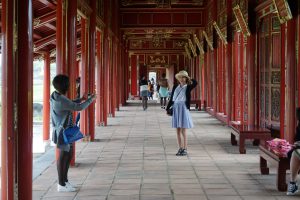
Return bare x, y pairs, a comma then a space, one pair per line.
134, 158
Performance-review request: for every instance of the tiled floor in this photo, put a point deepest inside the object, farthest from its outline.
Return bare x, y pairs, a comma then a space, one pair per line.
134, 158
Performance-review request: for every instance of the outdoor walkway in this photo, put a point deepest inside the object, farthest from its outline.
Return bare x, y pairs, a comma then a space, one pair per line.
134, 158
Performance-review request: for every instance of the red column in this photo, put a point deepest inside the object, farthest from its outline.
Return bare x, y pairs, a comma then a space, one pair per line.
92, 64
71, 48
224, 80
219, 78
134, 77
230, 97
282, 82
204, 84
8, 133
235, 78
250, 61
25, 99
228, 62
46, 97
83, 76
59, 37
99, 108
113, 78
290, 79
208, 79
126, 74
105, 76
242, 88
298, 25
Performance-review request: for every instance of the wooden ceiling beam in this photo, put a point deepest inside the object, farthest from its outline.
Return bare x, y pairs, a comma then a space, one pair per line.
45, 19
39, 44
51, 26
48, 3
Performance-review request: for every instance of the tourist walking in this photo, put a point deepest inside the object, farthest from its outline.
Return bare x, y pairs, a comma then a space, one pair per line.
163, 90
144, 91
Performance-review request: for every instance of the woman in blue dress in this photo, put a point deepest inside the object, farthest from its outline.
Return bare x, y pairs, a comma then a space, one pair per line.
180, 102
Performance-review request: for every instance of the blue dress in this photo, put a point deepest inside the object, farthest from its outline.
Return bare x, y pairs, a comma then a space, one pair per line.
181, 117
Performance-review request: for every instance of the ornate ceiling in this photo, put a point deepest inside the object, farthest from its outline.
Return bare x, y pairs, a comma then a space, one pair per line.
161, 25
162, 3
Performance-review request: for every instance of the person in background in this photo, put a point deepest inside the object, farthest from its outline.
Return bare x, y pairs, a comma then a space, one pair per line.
62, 117
163, 90
180, 101
144, 91
150, 90
78, 87
295, 159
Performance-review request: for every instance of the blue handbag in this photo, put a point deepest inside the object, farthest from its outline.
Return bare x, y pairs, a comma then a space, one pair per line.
72, 134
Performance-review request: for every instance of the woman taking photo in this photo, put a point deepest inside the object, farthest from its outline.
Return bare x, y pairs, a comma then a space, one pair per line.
61, 116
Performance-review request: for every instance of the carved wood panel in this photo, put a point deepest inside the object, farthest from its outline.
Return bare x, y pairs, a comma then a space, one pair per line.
269, 67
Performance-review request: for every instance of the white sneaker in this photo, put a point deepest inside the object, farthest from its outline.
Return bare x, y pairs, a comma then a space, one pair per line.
68, 184
65, 188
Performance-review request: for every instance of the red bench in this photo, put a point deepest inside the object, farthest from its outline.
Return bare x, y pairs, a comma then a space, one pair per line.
278, 159
197, 103
244, 132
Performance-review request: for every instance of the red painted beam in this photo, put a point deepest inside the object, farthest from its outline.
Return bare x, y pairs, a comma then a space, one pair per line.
44, 42
45, 19
51, 26
48, 3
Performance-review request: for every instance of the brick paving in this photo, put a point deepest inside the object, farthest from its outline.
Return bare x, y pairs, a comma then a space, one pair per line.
134, 158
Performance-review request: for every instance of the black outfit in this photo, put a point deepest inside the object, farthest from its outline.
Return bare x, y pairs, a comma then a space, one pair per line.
63, 164
296, 139
187, 94
143, 82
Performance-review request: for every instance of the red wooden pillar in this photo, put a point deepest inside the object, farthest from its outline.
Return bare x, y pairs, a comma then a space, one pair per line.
134, 77
59, 37
242, 82
250, 61
236, 77
228, 62
290, 79
8, 133
46, 97
126, 74
25, 99
92, 64
298, 25
197, 77
204, 81
219, 77
230, 87
224, 80
113, 77
84, 76
282, 81
208, 79
71, 54
105, 76
99, 108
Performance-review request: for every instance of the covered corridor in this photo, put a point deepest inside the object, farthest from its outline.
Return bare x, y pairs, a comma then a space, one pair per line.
134, 158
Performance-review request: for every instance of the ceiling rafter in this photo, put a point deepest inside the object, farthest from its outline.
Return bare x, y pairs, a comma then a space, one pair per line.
39, 44
45, 19
48, 3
